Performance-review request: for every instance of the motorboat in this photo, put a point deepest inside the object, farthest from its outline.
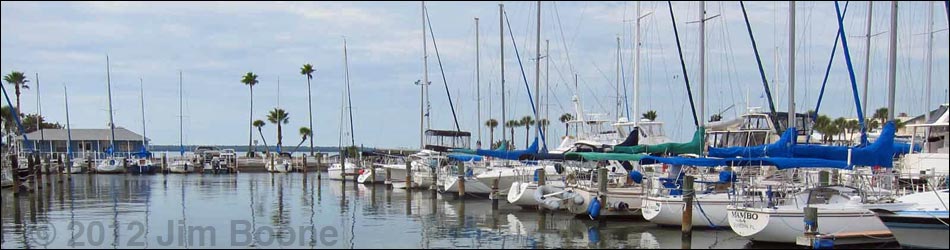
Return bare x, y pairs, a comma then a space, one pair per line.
336, 171
279, 164
181, 166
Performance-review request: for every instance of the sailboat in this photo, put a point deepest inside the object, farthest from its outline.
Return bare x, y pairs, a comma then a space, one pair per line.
111, 164
345, 170
143, 163
181, 165
77, 163
281, 162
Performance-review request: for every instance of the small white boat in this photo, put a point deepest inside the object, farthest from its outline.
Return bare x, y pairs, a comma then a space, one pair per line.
524, 194
112, 165
924, 225
282, 164
366, 176
709, 210
181, 167
78, 164
336, 170
840, 211
623, 202
508, 175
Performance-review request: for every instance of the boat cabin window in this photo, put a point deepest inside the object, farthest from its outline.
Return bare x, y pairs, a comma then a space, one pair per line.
651, 130
441, 140
756, 122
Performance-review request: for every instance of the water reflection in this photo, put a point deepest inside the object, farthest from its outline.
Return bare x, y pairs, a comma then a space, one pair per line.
290, 211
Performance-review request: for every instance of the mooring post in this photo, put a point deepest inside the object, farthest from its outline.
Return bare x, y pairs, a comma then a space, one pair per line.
59, 170
37, 170
319, 162
460, 169
823, 178
90, 165
688, 195
372, 175
494, 192
542, 180
811, 227
602, 193
305, 168
31, 166
409, 175
389, 177
15, 173
68, 167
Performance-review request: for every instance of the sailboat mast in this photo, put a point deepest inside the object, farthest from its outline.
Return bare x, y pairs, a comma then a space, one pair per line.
892, 63
501, 29
181, 124
547, 86
142, 100
636, 73
537, 75
69, 134
39, 112
791, 65
930, 49
478, 86
349, 102
617, 85
425, 68
702, 65
867, 58
111, 121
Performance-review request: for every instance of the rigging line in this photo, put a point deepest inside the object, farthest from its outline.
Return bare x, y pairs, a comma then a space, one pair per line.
758, 60
854, 84
567, 52
349, 102
679, 48
26, 141
441, 69
523, 76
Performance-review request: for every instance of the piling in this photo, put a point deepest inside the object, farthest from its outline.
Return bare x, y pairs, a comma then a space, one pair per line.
460, 168
494, 192
14, 169
319, 162
59, 170
90, 167
305, 169
541, 177
48, 167
408, 176
602, 186
389, 177
372, 175
69, 168
37, 170
811, 227
164, 163
823, 178
688, 195
31, 167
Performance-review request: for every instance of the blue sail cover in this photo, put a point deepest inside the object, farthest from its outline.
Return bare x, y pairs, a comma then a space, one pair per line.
779, 162
780, 148
510, 155
464, 157
143, 153
880, 153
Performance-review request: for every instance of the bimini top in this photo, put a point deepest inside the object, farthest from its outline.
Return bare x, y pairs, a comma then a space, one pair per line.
448, 133
692, 147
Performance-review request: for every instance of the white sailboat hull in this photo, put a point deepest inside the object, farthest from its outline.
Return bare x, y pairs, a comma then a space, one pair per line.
472, 186
784, 225
709, 210
111, 166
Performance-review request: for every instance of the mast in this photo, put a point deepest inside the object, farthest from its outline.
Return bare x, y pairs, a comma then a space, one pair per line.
478, 87
501, 29
39, 112
617, 79
791, 65
425, 67
547, 86
892, 63
69, 134
537, 75
349, 102
422, 90
702, 65
867, 58
111, 121
636, 73
181, 124
930, 49
142, 100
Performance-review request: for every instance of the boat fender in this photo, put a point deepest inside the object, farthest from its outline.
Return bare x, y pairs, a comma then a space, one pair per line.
726, 177
362, 171
593, 235
536, 174
594, 209
823, 244
577, 198
636, 176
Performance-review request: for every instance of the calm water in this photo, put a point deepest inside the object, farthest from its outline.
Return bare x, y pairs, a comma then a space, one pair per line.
284, 211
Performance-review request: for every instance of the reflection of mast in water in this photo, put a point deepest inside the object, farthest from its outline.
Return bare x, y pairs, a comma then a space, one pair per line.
115, 213
253, 215
184, 218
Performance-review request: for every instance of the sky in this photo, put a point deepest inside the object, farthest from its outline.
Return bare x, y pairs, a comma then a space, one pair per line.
213, 44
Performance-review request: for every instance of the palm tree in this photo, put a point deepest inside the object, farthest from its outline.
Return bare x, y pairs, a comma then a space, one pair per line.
566, 117
544, 125
650, 115
7, 116
839, 126
512, 124
305, 133
279, 117
250, 79
822, 124
260, 124
18, 80
881, 114
491, 124
527, 121
852, 126
307, 70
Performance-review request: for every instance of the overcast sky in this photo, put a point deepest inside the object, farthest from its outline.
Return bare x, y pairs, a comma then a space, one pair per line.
214, 44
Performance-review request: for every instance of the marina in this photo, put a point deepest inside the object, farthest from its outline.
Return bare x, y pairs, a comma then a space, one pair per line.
605, 170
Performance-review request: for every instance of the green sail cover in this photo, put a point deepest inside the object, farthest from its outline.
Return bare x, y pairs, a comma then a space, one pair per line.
594, 156
502, 147
695, 146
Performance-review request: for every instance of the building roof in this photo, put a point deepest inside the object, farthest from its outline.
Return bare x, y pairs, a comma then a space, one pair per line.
934, 115
121, 134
